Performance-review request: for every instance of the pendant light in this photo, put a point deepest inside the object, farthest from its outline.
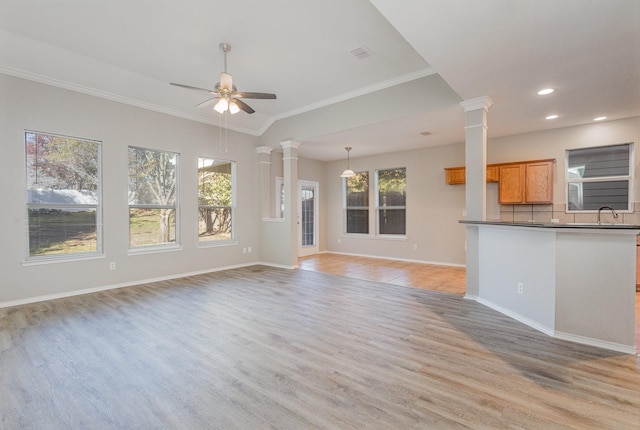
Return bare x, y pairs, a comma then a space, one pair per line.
347, 173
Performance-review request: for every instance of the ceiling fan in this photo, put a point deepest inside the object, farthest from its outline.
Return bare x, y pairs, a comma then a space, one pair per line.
227, 97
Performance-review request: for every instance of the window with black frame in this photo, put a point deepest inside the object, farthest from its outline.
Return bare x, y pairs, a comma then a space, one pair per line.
357, 203
391, 202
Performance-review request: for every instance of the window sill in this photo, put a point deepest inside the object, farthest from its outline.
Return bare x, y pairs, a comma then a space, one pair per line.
153, 250
37, 261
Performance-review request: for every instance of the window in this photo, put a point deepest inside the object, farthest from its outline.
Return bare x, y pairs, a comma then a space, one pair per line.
391, 201
63, 195
599, 176
215, 200
153, 200
357, 203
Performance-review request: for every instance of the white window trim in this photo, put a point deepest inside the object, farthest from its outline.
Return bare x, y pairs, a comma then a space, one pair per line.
30, 260
629, 178
153, 248
233, 240
378, 208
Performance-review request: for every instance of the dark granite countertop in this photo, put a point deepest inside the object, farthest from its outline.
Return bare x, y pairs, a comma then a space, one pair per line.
581, 225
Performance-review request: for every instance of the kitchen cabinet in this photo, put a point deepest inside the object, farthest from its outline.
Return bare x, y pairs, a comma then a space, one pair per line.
528, 182
457, 175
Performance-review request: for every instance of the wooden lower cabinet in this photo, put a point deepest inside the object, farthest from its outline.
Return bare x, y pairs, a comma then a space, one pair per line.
526, 183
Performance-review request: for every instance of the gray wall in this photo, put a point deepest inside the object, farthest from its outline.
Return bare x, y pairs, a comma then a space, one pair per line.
33, 106
435, 208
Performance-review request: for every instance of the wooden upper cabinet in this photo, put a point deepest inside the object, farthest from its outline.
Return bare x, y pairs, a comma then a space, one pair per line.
454, 175
493, 173
457, 175
526, 183
511, 186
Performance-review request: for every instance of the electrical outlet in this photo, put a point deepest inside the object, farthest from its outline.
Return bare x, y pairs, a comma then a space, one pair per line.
249, 250
520, 288
464, 213
244, 250
415, 246
112, 266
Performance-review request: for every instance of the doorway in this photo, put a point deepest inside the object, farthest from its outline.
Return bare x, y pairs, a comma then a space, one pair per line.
307, 218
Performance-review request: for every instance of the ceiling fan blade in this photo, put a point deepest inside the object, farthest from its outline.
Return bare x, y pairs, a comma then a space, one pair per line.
189, 87
243, 106
208, 102
250, 95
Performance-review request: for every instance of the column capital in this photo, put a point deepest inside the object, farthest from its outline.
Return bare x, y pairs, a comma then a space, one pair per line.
264, 150
290, 144
483, 102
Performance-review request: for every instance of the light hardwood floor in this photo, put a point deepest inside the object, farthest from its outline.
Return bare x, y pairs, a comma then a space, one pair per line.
266, 348
427, 276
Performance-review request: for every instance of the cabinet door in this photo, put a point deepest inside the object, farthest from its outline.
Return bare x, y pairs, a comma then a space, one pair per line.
455, 175
493, 173
511, 185
539, 183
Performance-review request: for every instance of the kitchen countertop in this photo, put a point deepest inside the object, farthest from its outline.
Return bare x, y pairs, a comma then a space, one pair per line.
580, 225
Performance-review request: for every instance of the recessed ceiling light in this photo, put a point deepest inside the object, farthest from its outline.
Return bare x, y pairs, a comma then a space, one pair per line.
551, 117
600, 118
545, 91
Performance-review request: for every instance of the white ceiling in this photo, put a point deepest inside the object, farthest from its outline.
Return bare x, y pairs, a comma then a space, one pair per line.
129, 50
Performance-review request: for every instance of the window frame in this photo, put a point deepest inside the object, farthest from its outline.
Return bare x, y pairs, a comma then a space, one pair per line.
629, 178
393, 208
98, 207
346, 208
219, 242
165, 246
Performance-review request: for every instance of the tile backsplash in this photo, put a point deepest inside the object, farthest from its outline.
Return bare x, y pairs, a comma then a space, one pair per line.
545, 213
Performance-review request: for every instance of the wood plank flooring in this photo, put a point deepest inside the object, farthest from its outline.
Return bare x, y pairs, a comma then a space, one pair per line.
427, 276
266, 348
447, 279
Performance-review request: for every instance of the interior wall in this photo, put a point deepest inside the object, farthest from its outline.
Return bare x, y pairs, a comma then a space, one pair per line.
433, 208
33, 106
433, 233
554, 143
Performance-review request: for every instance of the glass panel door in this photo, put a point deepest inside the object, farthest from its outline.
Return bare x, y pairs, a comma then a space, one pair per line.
307, 217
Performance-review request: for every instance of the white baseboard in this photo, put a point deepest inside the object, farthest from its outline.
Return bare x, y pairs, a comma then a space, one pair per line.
618, 347
47, 297
612, 346
435, 263
516, 316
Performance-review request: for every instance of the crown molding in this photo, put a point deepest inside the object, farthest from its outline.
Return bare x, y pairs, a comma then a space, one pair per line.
350, 95
18, 73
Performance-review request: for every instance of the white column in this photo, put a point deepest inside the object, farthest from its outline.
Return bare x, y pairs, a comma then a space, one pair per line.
476, 183
290, 164
264, 180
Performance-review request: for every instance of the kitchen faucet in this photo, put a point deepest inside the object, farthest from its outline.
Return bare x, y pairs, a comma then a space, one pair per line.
613, 212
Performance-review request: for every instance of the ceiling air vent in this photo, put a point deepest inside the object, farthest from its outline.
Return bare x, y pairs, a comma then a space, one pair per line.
361, 52
425, 133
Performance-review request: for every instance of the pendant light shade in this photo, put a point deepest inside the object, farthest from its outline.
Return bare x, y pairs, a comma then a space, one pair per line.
348, 173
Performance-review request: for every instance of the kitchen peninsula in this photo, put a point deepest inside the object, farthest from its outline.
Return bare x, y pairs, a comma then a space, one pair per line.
571, 281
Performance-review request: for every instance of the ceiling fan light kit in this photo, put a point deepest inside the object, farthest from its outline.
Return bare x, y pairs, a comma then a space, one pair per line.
226, 95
